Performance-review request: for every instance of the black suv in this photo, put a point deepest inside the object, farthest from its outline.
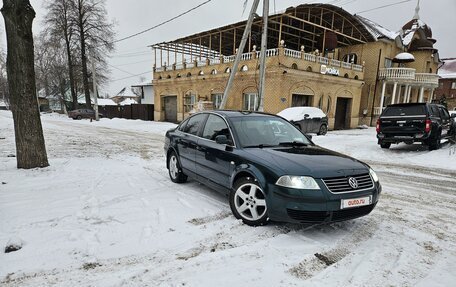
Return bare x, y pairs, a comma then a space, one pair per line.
416, 122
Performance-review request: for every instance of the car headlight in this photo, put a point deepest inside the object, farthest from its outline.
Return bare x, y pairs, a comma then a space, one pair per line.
298, 182
373, 174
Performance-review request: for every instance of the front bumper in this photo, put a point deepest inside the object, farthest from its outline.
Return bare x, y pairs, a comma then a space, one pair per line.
317, 206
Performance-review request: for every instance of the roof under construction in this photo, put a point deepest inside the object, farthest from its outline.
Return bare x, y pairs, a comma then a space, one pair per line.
313, 26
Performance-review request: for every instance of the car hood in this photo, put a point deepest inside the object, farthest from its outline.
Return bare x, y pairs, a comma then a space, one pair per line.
313, 161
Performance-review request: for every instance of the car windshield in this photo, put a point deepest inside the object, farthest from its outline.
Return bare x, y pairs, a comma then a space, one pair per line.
406, 110
267, 131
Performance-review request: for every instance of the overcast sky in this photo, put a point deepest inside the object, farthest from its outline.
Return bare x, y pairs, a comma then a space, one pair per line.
133, 57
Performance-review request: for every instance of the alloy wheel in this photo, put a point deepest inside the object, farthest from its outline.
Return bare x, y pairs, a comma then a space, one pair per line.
249, 201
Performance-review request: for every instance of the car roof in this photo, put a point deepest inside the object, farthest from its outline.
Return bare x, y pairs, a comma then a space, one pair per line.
237, 113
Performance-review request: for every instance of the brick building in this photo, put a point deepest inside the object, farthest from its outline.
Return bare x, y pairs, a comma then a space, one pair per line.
318, 55
446, 92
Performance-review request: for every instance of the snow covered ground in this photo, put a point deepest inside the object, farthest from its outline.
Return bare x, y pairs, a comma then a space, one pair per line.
106, 214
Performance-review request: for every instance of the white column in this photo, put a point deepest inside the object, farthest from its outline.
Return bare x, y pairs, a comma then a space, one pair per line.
399, 94
394, 92
382, 99
406, 92
420, 100
431, 95
409, 94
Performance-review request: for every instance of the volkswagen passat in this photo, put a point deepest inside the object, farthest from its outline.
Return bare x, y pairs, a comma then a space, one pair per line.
269, 169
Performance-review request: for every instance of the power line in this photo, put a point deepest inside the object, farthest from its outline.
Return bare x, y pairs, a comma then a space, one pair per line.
384, 6
130, 77
162, 23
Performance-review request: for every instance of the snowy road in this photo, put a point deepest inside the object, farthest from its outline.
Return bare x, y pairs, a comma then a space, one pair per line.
106, 214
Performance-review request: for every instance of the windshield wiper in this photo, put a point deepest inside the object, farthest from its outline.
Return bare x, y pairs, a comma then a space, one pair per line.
259, 146
293, 143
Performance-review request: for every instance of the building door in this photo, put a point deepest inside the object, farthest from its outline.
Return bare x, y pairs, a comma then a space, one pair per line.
170, 107
342, 118
298, 100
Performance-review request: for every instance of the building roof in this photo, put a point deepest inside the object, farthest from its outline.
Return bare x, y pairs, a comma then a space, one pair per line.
448, 70
377, 30
303, 25
143, 84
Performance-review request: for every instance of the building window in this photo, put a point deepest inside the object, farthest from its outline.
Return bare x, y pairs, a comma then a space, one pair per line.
388, 63
189, 102
217, 100
244, 68
251, 102
350, 58
453, 85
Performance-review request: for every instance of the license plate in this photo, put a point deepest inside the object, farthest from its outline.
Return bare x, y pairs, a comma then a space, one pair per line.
355, 202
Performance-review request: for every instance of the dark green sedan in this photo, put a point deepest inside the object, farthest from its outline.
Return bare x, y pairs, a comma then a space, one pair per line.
269, 169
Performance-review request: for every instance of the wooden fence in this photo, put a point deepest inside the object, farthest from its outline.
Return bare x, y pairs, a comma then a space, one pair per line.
131, 112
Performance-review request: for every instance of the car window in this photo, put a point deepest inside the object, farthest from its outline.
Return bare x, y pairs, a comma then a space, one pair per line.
412, 110
434, 110
444, 114
267, 131
216, 126
182, 125
194, 123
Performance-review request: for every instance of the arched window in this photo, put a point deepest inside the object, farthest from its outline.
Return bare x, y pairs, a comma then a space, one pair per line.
244, 68
201, 73
228, 70
168, 77
346, 76
189, 74
178, 75
356, 77
214, 72
294, 66
351, 58
309, 69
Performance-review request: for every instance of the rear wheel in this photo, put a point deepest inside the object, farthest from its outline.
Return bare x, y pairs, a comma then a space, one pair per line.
434, 142
385, 145
248, 202
174, 169
323, 130
79, 117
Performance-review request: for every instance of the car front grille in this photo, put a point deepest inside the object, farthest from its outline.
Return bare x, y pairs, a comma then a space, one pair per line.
350, 213
341, 184
307, 216
329, 216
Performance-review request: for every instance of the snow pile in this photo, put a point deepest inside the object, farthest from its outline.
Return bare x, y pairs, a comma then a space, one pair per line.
128, 102
105, 213
404, 57
297, 113
377, 30
448, 70
106, 102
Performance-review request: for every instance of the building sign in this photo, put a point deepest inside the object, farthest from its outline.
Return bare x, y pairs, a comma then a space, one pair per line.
329, 70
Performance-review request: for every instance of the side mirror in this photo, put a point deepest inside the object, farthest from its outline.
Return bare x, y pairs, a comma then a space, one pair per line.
221, 139
306, 116
453, 116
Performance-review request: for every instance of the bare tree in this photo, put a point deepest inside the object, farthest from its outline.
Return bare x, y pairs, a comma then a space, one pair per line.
51, 67
95, 34
3, 79
30, 146
59, 24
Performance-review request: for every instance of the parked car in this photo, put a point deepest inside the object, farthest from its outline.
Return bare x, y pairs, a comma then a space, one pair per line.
416, 122
307, 119
269, 169
83, 114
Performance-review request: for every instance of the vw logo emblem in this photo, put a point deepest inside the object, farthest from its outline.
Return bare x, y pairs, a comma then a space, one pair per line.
353, 182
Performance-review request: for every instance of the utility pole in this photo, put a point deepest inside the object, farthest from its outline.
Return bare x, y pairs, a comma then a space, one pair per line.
264, 46
94, 78
245, 36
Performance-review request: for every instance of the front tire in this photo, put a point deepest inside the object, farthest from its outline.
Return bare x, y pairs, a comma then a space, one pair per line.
248, 202
174, 169
79, 117
323, 130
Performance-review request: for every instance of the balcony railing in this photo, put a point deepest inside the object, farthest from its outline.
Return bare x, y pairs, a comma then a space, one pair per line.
397, 74
409, 76
377, 111
425, 78
269, 53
